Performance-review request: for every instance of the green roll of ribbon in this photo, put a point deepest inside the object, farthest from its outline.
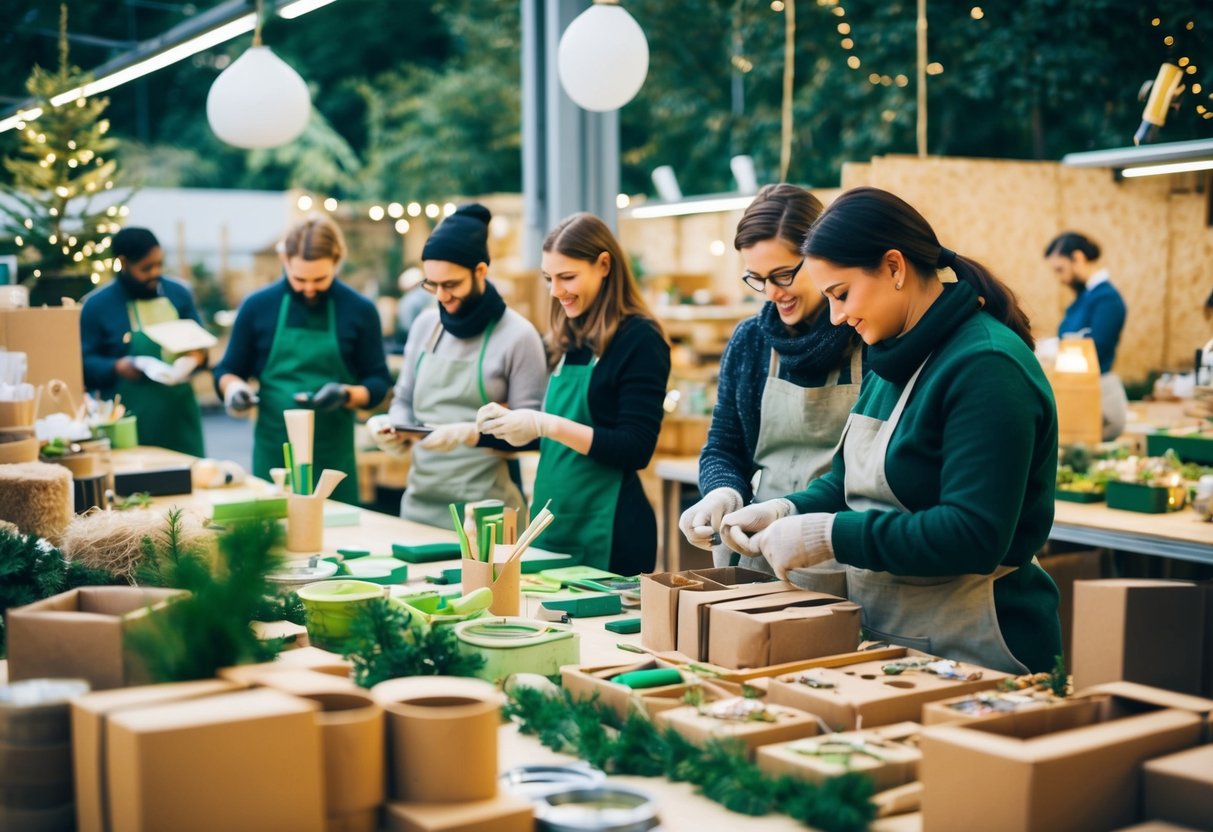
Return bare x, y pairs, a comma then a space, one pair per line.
655, 678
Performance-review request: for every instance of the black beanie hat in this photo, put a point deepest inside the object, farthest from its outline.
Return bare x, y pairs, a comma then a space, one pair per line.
461, 238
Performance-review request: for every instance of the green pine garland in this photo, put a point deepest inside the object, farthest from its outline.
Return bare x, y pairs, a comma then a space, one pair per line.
384, 646
720, 771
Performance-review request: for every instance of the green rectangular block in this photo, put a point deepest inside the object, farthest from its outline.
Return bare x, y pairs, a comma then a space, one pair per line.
1193, 448
1079, 496
587, 606
624, 626
1149, 499
426, 552
266, 508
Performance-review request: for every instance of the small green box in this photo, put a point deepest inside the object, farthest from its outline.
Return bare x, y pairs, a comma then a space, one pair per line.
426, 552
1149, 499
1080, 496
624, 626
587, 606
447, 576
265, 508
1190, 448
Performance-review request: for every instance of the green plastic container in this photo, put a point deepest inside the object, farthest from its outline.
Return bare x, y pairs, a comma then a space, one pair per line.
587, 606
512, 645
123, 433
426, 552
430, 608
1148, 499
1080, 496
265, 508
1192, 448
378, 570
330, 607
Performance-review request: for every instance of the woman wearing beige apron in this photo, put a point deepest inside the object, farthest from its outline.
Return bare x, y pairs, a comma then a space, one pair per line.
788, 381
942, 489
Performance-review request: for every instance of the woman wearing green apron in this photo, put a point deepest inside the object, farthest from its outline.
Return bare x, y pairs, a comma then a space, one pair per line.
603, 409
788, 381
312, 342
942, 490
117, 349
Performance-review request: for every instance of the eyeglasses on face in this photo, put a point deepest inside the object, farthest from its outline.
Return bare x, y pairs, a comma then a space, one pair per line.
449, 286
782, 278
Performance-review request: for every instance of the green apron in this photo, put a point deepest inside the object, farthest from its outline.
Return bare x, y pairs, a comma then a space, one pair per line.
302, 360
168, 415
584, 493
450, 390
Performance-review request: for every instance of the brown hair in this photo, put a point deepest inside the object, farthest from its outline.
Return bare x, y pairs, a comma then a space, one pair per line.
778, 212
585, 237
315, 237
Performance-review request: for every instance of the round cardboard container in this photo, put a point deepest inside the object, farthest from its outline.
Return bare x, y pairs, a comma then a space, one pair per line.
351, 731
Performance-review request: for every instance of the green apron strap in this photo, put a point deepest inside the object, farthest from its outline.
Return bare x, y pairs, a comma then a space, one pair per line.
484, 345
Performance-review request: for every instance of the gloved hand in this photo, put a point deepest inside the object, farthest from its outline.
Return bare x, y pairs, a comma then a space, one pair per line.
449, 437
330, 397
154, 369
386, 439
796, 542
701, 522
518, 427
737, 529
239, 398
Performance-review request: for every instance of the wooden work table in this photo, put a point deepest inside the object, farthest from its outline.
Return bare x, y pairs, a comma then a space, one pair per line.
681, 809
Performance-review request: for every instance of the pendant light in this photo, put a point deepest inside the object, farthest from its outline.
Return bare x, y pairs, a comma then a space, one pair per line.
258, 101
603, 57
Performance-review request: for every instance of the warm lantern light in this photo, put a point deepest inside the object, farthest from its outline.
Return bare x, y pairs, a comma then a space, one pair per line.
258, 101
603, 57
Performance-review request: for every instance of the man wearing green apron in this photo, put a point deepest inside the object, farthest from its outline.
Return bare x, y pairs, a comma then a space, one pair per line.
311, 341
113, 340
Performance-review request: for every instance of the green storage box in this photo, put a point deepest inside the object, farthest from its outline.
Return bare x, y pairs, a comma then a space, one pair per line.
426, 552
512, 645
1149, 499
1080, 496
1190, 448
587, 606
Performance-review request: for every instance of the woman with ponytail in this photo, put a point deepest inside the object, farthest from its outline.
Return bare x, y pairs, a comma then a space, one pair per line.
942, 488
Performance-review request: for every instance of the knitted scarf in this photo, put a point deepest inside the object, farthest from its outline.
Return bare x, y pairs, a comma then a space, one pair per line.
809, 348
469, 322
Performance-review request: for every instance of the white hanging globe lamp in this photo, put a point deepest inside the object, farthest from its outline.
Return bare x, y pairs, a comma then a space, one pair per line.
258, 101
603, 57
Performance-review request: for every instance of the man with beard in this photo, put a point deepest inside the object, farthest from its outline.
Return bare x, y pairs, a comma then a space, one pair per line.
1098, 313
467, 352
114, 344
311, 341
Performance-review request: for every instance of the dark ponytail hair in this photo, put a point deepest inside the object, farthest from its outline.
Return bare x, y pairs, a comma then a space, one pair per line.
863, 224
133, 244
778, 212
1069, 242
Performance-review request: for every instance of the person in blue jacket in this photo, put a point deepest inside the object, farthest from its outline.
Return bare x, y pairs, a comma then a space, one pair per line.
1098, 312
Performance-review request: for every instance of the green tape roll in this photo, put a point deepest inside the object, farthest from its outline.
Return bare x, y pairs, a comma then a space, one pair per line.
654, 678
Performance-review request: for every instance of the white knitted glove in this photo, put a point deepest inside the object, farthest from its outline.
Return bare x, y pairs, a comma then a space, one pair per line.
796, 542
239, 398
518, 427
738, 529
701, 522
386, 438
449, 437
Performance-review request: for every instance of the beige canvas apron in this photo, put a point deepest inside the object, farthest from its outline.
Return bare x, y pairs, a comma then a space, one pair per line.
953, 617
798, 433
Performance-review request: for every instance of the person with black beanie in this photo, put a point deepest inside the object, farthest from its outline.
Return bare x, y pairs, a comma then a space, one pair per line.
467, 351
119, 355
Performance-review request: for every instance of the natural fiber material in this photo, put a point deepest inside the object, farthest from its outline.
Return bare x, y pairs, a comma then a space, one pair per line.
114, 541
36, 498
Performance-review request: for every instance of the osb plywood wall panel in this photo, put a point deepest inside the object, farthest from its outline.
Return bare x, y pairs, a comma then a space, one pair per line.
1191, 277
654, 242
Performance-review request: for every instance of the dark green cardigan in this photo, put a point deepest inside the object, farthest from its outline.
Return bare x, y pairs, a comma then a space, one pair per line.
974, 459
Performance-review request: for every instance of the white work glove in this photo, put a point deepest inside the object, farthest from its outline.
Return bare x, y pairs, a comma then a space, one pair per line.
449, 437
701, 522
737, 530
796, 542
154, 369
183, 367
239, 398
518, 427
385, 437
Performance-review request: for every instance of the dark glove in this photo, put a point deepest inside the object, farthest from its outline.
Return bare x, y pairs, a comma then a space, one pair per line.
330, 397
238, 398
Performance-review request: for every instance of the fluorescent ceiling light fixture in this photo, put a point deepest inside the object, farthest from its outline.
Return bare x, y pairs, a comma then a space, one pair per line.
1146, 154
1174, 167
292, 10
691, 206
21, 116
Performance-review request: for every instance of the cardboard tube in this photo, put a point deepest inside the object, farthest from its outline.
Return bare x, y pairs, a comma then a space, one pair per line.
504, 579
304, 523
300, 425
443, 737
352, 739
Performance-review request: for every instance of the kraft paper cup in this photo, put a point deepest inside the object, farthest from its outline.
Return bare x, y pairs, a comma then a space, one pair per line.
123, 433
304, 523
504, 579
23, 450
17, 415
442, 732
352, 736
82, 465
329, 608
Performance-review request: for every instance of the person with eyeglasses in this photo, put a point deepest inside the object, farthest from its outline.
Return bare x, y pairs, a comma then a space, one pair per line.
467, 350
602, 413
311, 341
788, 380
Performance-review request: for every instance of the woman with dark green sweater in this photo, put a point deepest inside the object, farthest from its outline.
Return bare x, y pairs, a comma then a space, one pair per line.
942, 488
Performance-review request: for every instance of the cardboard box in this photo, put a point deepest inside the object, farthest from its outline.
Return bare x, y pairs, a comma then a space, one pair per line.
80, 634
247, 760
861, 694
781, 627
366, 821
888, 755
661, 591
300, 682
698, 725
50, 338
1155, 697
1138, 630
984, 705
90, 714
504, 813
595, 682
1073, 766
1065, 570
1179, 787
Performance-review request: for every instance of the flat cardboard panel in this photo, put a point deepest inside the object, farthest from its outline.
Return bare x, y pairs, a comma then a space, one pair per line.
504, 813
781, 627
1065, 570
248, 760
698, 728
1179, 787
1138, 630
50, 338
892, 763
